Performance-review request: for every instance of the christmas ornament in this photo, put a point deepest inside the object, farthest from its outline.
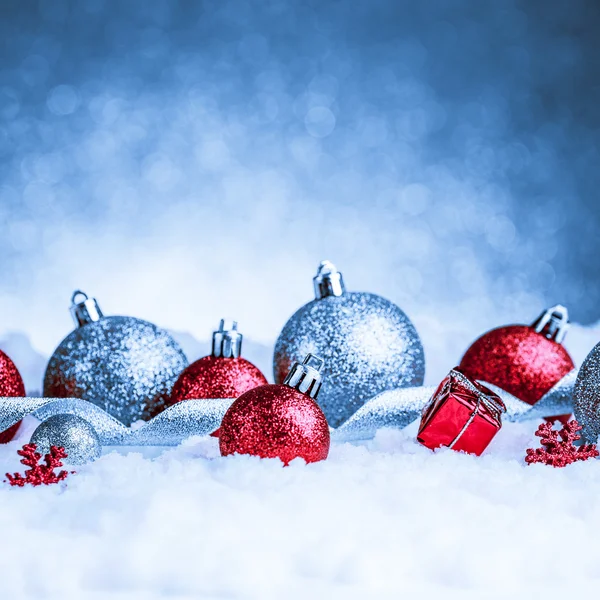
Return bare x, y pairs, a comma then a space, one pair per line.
74, 434
369, 345
560, 452
462, 415
526, 361
279, 421
125, 365
223, 374
39, 474
586, 397
11, 384
394, 408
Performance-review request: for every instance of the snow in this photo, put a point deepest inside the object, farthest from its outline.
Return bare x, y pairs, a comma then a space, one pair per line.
381, 519
384, 518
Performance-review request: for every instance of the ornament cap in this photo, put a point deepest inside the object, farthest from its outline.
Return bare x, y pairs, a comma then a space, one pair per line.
328, 281
84, 310
553, 323
306, 376
227, 340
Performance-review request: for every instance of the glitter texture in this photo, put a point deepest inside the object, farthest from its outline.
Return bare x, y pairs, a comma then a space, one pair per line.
369, 345
217, 377
399, 408
394, 408
78, 438
11, 384
169, 428
275, 421
557, 401
124, 365
517, 359
39, 473
586, 397
558, 447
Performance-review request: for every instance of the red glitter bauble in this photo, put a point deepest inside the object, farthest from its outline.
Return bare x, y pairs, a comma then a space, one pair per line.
275, 421
217, 377
11, 385
519, 360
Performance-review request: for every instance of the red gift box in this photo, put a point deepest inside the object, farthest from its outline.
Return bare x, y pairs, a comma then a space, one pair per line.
462, 415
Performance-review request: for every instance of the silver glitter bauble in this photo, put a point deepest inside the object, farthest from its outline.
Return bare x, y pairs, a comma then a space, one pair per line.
74, 434
586, 396
368, 344
124, 365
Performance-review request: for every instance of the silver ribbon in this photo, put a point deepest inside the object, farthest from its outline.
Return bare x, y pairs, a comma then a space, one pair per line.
394, 408
398, 408
169, 428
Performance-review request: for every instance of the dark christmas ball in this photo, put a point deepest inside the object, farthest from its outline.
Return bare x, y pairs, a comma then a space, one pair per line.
124, 365
11, 386
275, 421
368, 344
520, 359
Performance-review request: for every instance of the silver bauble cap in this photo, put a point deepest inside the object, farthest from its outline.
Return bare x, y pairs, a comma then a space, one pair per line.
306, 376
328, 281
553, 323
227, 340
86, 310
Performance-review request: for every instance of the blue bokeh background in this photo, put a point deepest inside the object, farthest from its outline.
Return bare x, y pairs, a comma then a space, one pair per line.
184, 161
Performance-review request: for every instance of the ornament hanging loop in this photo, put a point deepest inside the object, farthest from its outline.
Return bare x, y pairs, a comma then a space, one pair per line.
328, 281
306, 376
227, 340
85, 311
553, 323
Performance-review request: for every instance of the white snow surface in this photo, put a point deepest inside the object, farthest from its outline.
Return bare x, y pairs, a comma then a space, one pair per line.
384, 518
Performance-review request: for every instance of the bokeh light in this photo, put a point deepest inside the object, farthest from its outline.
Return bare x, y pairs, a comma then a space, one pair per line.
185, 161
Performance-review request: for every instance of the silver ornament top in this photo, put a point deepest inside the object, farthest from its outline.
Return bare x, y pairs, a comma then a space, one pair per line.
553, 323
85, 311
328, 281
227, 340
306, 376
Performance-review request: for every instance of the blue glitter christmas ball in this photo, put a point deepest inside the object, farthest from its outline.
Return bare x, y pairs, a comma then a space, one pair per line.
124, 365
586, 396
368, 344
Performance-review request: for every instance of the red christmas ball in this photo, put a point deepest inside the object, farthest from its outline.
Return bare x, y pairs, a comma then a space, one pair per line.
275, 421
526, 361
217, 377
223, 374
11, 385
279, 421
